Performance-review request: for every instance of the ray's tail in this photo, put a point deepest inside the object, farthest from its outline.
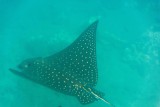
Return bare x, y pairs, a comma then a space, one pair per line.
97, 96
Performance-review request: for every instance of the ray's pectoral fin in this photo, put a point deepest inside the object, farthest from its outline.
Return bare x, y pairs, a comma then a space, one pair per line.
77, 63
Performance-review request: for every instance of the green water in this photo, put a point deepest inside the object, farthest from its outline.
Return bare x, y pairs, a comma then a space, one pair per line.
128, 49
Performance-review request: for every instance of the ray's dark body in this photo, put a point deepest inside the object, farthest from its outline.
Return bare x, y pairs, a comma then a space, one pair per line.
72, 71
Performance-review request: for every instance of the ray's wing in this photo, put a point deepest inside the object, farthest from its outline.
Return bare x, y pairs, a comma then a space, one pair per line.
72, 71
80, 57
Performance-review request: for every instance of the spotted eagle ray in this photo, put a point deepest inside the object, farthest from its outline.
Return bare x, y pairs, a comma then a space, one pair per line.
72, 71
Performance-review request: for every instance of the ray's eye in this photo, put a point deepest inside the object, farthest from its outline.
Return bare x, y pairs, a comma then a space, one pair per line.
27, 65
24, 65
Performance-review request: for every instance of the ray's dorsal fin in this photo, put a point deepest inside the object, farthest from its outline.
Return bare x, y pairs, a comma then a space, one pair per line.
80, 56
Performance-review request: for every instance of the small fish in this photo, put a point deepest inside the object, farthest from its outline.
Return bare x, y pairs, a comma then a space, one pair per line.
72, 71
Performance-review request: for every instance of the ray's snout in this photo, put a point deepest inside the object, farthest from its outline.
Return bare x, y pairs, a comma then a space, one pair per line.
15, 71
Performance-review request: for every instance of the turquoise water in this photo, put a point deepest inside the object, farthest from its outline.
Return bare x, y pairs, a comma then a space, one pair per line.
128, 48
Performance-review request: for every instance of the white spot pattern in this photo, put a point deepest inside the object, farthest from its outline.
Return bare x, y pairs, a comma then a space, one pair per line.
71, 69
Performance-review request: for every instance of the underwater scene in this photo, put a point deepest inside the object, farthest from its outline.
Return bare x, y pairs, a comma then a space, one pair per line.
80, 53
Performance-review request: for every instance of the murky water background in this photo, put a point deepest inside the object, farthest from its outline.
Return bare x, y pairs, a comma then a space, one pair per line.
128, 48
